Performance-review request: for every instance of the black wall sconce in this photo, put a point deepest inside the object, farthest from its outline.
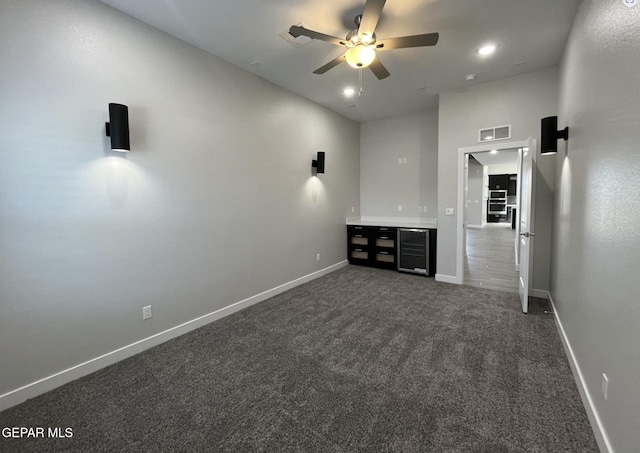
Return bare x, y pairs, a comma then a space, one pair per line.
551, 135
118, 128
318, 163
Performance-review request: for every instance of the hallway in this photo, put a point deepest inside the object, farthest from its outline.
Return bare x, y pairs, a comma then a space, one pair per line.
489, 261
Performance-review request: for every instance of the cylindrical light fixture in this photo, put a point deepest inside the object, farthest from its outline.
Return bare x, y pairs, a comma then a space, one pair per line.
118, 127
550, 135
360, 56
318, 163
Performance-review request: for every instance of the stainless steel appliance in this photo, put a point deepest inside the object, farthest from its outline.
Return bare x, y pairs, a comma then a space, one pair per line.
413, 250
497, 194
497, 207
498, 202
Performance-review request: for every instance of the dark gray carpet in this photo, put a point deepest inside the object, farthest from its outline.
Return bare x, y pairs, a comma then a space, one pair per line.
359, 360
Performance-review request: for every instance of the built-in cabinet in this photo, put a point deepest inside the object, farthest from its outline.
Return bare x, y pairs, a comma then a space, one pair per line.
502, 191
377, 246
498, 182
385, 247
372, 246
513, 185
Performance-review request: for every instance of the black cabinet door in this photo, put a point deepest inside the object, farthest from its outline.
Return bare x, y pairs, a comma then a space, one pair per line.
385, 252
360, 244
513, 184
498, 182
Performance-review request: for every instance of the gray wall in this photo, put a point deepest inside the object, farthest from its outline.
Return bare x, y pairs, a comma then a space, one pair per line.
214, 204
596, 239
475, 192
520, 101
384, 183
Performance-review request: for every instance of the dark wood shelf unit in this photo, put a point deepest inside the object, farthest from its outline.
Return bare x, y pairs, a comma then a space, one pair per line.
360, 244
372, 246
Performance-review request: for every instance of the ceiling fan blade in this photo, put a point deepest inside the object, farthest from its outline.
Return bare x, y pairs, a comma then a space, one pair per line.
378, 69
331, 64
370, 17
296, 31
429, 39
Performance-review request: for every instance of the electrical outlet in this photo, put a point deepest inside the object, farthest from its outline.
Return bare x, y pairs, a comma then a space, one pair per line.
146, 312
399, 208
399, 160
404, 160
318, 257
605, 386
424, 209
353, 209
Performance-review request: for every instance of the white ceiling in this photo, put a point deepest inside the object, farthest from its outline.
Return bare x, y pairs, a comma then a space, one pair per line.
529, 34
501, 157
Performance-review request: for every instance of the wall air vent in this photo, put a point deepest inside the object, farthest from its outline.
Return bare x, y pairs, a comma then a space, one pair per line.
494, 133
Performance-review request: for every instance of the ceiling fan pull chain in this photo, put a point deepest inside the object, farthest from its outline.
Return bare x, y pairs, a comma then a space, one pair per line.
360, 92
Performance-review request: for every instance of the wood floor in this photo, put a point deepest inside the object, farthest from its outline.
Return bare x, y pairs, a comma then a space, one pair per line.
490, 258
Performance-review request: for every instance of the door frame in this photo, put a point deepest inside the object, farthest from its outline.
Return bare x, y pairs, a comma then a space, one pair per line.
462, 152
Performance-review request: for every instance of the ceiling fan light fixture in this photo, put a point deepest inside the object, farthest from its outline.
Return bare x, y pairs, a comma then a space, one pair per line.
360, 44
360, 56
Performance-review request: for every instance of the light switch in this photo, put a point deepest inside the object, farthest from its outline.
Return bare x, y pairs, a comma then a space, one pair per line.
449, 211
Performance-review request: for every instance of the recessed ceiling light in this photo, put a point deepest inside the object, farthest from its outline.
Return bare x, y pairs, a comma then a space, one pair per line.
487, 50
494, 151
470, 77
348, 91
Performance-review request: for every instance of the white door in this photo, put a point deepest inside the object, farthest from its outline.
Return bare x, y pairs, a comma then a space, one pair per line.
466, 204
526, 233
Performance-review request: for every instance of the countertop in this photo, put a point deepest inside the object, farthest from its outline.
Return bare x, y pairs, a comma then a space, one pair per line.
394, 222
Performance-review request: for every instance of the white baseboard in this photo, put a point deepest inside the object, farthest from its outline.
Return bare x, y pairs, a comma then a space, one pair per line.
447, 279
540, 293
48, 383
473, 225
596, 424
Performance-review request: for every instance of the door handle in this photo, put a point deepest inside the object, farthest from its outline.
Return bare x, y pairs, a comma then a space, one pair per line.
527, 234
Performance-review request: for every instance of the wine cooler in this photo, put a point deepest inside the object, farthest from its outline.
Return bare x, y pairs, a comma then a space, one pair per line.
413, 250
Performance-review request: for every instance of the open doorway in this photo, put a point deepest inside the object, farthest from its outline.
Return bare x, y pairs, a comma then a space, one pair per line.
524, 215
491, 204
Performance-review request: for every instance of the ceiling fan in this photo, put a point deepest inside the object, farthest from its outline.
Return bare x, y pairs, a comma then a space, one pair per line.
361, 44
